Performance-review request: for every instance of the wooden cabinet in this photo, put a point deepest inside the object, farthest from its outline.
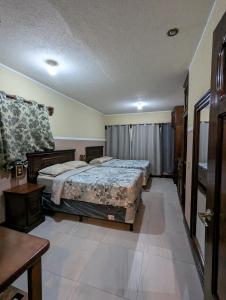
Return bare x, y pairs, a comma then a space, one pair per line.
23, 207
178, 125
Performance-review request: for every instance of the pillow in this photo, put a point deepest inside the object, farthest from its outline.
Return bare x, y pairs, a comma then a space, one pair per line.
74, 164
100, 160
55, 170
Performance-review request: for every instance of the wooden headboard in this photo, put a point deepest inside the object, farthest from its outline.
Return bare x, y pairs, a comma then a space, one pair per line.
94, 152
40, 160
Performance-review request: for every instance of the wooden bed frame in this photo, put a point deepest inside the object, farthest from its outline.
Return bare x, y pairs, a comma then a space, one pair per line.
40, 160
93, 152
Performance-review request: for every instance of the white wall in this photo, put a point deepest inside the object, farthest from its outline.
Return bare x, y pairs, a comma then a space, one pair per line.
138, 118
199, 84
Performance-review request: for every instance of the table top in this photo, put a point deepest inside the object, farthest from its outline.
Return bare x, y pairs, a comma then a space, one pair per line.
18, 252
25, 188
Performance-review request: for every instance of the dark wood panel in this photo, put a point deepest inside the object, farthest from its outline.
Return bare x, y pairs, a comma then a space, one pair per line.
222, 222
40, 160
177, 116
178, 125
94, 152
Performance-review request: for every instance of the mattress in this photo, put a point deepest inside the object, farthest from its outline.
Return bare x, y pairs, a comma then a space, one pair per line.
108, 186
142, 165
47, 181
80, 208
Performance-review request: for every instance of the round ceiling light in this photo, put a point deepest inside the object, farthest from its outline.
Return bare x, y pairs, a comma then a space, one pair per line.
140, 105
52, 66
172, 32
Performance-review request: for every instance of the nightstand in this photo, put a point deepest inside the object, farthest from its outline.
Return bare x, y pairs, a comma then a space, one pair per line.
23, 207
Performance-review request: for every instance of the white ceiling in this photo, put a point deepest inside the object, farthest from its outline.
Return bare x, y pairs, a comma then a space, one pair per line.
111, 53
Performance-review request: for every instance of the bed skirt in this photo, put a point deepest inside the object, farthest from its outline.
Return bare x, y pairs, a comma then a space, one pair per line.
87, 209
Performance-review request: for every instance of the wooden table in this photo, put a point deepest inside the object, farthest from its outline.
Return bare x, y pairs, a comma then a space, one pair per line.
20, 252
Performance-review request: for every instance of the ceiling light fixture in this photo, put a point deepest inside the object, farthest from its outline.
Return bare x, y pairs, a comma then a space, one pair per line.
140, 105
172, 32
52, 66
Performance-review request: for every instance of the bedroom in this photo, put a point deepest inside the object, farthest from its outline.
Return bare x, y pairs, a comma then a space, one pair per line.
110, 158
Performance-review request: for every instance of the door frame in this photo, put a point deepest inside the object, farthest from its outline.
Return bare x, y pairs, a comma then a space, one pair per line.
199, 260
217, 118
185, 137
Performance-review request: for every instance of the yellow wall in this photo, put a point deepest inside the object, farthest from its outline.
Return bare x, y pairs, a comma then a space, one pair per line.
199, 84
138, 118
200, 67
70, 119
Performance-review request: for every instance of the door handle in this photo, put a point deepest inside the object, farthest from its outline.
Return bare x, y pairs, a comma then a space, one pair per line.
220, 77
206, 216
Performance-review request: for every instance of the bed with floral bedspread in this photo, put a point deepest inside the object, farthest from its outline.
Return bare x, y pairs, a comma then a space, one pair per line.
102, 187
143, 165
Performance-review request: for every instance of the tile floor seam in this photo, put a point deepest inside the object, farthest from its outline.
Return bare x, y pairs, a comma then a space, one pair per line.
80, 237
127, 248
55, 274
171, 259
106, 291
103, 290
140, 276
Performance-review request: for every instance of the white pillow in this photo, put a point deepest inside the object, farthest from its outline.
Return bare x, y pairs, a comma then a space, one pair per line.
100, 160
74, 164
55, 170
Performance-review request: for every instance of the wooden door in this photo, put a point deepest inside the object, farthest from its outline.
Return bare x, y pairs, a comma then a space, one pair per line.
185, 131
215, 267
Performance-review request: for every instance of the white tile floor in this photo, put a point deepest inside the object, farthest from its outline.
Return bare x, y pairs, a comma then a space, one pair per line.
105, 261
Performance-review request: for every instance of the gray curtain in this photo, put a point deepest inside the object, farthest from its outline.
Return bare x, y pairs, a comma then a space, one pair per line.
167, 149
153, 142
118, 141
203, 142
138, 147
146, 144
111, 141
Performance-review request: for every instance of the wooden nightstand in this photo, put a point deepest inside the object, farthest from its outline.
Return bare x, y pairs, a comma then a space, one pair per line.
23, 207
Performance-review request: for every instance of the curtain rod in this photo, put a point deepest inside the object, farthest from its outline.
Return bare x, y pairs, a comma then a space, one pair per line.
137, 124
50, 108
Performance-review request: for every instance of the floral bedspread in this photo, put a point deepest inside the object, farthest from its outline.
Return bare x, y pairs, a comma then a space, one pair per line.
143, 165
108, 186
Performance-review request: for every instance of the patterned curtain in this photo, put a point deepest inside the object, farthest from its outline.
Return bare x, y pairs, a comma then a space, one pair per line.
24, 127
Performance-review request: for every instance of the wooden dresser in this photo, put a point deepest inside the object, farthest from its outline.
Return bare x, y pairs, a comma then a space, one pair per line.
178, 125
